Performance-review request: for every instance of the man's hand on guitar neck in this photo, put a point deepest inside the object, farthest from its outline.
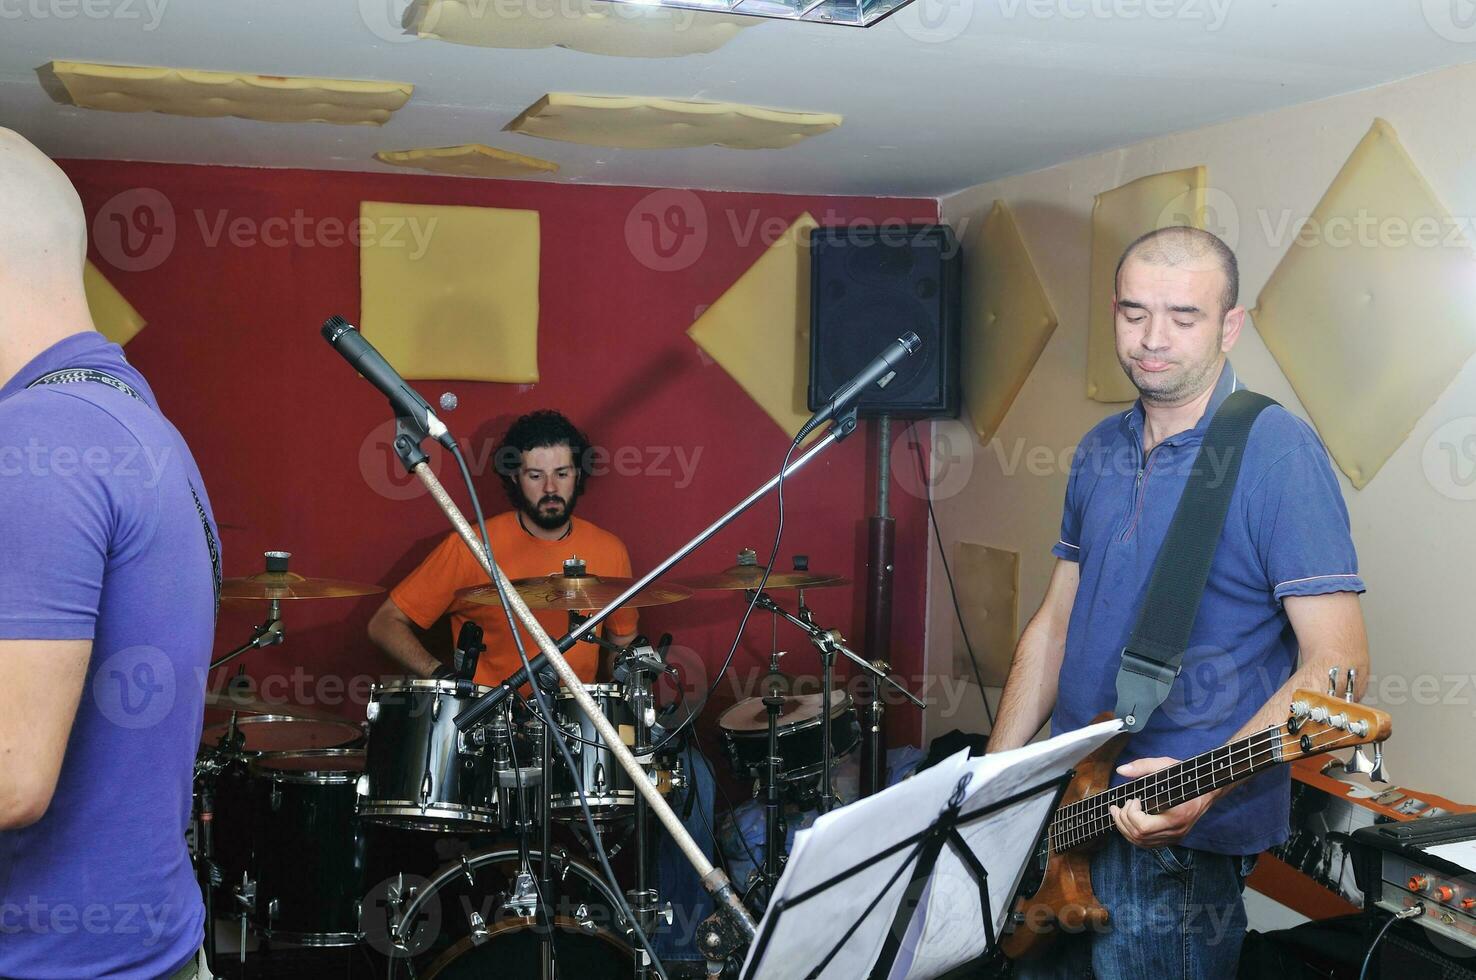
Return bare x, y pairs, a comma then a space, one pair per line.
1158, 829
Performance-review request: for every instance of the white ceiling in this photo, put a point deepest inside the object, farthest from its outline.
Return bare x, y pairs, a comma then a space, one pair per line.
944, 94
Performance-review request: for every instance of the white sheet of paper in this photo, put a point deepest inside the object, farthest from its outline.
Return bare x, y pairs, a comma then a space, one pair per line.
802, 935
1459, 852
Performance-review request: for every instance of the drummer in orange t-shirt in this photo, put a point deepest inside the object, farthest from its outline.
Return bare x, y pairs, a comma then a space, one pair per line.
541, 463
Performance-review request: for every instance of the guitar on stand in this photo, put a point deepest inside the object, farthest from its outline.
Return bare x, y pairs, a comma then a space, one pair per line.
1057, 897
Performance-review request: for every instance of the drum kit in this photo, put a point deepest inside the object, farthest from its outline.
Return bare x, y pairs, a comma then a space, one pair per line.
300, 812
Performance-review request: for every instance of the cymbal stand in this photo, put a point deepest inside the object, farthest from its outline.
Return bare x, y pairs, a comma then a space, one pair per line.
776, 834
271, 632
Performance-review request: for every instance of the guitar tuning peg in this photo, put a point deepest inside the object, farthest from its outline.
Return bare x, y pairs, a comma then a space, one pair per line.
1378, 773
1359, 762
1348, 692
1332, 683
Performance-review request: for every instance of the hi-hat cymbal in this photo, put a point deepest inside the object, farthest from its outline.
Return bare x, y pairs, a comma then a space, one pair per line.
290, 585
742, 577
576, 592
253, 705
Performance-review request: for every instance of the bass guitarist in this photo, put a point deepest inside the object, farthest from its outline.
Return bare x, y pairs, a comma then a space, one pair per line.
1280, 609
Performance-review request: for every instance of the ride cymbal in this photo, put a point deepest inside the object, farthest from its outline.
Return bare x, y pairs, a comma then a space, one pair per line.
576, 592
743, 577
290, 585
252, 705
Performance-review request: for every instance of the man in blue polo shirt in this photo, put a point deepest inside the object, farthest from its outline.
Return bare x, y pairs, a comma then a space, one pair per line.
1280, 609
108, 583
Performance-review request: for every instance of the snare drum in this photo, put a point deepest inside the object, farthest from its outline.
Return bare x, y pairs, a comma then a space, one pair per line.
421, 773
745, 728
309, 848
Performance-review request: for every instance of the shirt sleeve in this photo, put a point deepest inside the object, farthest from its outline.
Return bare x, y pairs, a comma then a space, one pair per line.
1068, 546
1299, 524
56, 521
426, 593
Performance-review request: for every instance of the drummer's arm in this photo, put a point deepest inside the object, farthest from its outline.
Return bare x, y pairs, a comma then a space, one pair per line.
40, 686
394, 633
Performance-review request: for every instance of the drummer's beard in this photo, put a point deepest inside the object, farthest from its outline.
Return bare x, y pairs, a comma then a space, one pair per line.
551, 512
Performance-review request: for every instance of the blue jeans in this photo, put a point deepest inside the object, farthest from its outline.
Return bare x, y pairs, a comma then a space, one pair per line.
676, 879
1176, 912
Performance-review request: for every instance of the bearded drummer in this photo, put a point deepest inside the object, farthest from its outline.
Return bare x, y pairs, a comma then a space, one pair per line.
542, 461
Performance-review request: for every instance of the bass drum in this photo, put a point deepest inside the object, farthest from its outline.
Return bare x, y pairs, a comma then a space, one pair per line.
458, 926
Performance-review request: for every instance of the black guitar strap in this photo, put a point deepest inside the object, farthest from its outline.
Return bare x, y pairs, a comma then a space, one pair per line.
1155, 651
79, 375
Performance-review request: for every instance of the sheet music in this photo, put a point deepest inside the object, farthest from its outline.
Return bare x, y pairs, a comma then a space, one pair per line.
799, 937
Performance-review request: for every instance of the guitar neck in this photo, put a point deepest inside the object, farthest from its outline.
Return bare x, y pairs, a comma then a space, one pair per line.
1088, 819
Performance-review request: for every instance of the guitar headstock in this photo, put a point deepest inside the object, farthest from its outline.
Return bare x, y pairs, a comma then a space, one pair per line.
1319, 723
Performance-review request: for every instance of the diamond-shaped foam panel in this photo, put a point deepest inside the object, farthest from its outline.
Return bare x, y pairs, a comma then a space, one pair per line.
114, 317
1372, 311
468, 160
759, 330
620, 29
1007, 320
646, 123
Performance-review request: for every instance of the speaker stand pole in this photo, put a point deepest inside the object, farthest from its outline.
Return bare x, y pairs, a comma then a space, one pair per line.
882, 535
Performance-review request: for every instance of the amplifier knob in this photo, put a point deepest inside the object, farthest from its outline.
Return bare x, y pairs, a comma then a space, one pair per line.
1418, 883
1444, 893
1468, 903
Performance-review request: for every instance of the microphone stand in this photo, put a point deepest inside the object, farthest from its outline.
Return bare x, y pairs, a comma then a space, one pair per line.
829, 643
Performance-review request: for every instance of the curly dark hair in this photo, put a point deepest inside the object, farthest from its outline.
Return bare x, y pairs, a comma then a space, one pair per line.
535, 430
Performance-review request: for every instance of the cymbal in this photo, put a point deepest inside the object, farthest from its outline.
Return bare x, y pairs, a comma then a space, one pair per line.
741, 577
290, 585
575, 592
752, 715
253, 705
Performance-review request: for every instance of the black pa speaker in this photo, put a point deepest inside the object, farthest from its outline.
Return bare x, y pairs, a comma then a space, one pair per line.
871, 285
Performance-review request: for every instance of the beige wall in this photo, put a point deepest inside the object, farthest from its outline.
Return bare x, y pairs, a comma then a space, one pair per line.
1415, 538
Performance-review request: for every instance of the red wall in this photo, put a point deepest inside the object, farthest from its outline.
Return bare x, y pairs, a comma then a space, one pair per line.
293, 446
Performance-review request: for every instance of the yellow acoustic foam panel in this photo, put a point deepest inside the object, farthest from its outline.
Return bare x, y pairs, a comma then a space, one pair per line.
624, 30
451, 292
1007, 320
1372, 311
268, 98
114, 317
1119, 216
988, 581
641, 123
759, 330
468, 160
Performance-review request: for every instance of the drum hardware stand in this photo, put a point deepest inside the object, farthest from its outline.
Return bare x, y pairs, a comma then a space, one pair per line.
271, 632
829, 642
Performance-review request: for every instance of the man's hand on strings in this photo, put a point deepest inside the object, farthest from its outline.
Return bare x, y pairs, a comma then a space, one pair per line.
1156, 829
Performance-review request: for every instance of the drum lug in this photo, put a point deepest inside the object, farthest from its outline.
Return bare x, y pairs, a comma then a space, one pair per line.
371, 710
272, 909
479, 932
245, 893
466, 869
361, 788
436, 709
599, 779
425, 790
276, 799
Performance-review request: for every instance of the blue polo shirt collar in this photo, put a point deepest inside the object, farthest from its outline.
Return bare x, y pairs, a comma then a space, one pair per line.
1133, 419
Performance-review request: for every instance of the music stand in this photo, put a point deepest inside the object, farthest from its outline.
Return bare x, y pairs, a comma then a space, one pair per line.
915, 846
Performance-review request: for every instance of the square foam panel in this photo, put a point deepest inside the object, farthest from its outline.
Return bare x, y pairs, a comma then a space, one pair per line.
193, 92
468, 160
759, 329
114, 317
988, 582
647, 123
1372, 311
451, 292
618, 29
1007, 320
1120, 216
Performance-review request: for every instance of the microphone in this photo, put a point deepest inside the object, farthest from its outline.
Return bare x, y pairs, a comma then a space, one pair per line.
363, 358
878, 372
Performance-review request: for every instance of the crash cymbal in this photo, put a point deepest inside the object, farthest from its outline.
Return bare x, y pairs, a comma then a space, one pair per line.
252, 705
290, 585
741, 577
576, 592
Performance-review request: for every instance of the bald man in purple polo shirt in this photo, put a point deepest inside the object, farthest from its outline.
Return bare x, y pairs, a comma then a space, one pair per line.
1280, 608
109, 578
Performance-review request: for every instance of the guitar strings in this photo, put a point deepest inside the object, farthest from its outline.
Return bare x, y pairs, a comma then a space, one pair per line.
1085, 819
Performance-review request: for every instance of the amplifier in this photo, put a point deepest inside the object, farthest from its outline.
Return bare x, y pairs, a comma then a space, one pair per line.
1429, 862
